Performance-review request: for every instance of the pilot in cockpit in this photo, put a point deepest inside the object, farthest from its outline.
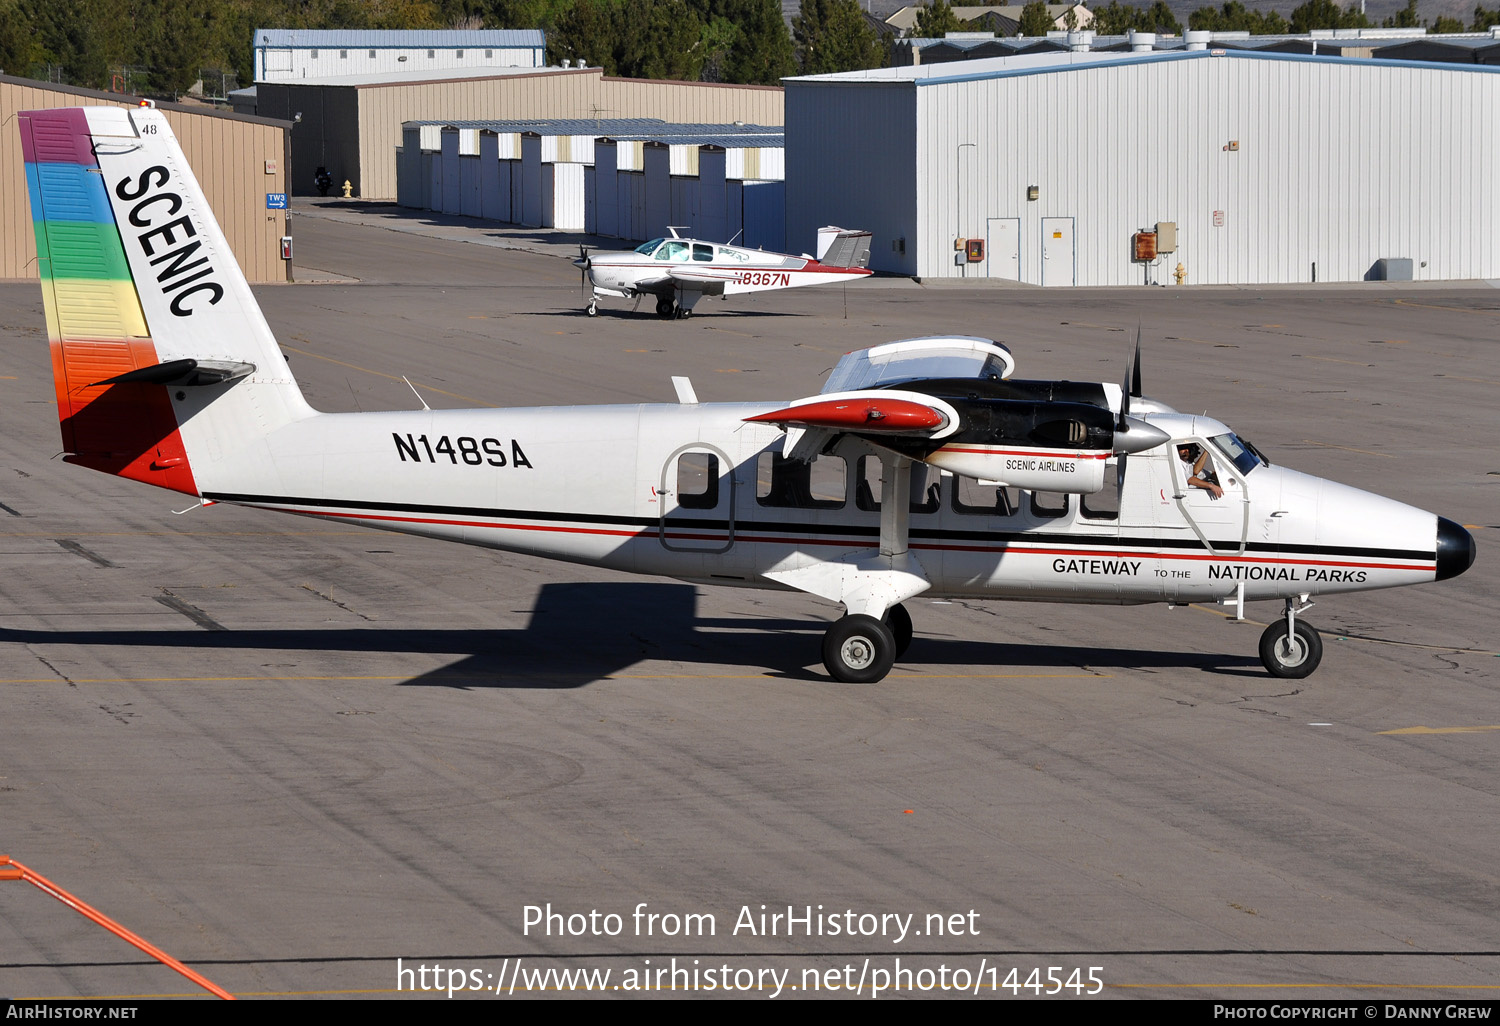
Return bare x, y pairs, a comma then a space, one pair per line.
1198, 468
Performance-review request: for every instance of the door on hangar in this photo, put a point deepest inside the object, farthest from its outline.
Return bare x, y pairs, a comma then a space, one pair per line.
1003, 248
1058, 259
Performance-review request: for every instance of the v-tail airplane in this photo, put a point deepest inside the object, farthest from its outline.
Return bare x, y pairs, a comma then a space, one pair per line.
922, 467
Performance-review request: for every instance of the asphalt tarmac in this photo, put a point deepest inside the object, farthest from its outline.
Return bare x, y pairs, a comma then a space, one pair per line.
292, 753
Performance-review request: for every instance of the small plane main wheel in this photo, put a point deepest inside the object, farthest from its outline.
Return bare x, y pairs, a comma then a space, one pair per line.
1294, 657
665, 307
899, 621
859, 649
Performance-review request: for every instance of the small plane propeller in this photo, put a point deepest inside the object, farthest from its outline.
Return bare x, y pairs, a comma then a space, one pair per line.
584, 264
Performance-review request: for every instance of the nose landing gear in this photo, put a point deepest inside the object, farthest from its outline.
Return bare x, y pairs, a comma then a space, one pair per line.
1290, 648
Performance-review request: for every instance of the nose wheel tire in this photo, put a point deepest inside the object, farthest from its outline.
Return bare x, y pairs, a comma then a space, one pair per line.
1292, 656
665, 307
859, 649
593, 307
899, 621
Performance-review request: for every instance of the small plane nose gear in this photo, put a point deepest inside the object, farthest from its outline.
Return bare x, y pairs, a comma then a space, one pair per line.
859, 649
1290, 648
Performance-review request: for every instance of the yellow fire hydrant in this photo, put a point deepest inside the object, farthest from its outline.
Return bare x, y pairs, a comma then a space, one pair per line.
349, 194
1180, 274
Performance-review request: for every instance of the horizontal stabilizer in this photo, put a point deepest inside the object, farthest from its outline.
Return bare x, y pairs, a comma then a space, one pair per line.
863, 415
186, 372
838, 247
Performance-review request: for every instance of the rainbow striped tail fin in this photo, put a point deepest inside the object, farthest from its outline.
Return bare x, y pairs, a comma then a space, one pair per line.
149, 318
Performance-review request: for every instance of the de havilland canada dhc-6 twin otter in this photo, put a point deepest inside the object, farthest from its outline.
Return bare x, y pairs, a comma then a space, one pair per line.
679, 272
922, 467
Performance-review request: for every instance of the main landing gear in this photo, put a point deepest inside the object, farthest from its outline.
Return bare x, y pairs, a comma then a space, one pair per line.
665, 307
1290, 648
860, 649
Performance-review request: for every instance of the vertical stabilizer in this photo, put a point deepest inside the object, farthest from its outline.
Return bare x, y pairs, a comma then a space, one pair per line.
148, 315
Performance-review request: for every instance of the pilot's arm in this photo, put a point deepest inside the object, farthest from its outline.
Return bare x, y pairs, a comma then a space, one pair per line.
1200, 479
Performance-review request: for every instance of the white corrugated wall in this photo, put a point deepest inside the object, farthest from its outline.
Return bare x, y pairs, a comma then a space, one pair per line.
1268, 165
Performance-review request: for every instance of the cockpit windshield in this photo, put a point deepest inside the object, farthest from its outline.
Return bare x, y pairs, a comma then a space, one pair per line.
647, 248
1242, 454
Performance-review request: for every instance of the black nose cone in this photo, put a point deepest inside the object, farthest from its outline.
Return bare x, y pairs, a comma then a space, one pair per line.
1455, 549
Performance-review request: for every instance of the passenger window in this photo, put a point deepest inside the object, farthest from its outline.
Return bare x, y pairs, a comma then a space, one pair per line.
701, 252
697, 480
1049, 505
1105, 503
969, 496
869, 479
792, 483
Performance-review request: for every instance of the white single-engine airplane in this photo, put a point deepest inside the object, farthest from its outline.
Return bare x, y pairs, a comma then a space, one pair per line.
679, 272
922, 466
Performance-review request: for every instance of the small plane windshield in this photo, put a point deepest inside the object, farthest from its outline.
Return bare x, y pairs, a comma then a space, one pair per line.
647, 248
1242, 454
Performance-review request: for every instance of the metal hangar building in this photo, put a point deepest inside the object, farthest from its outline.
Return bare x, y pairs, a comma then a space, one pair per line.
1097, 168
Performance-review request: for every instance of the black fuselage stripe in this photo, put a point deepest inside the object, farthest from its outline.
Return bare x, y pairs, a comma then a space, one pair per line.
853, 531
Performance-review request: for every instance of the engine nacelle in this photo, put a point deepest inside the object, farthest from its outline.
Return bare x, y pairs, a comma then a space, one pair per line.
1079, 472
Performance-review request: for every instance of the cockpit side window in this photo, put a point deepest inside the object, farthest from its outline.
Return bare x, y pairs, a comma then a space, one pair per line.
674, 250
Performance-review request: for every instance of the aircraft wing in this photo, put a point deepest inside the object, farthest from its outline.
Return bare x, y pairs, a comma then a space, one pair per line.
917, 359
706, 279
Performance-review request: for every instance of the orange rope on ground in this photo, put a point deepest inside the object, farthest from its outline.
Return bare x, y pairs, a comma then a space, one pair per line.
10, 869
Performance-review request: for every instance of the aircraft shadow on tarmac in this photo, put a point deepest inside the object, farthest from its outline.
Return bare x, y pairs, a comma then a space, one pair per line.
584, 632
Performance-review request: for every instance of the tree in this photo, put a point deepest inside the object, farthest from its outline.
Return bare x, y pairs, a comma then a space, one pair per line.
1483, 19
762, 53
1234, 17
833, 36
586, 31
1035, 21
172, 41
1118, 19
1404, 18
1325, 14
936, 20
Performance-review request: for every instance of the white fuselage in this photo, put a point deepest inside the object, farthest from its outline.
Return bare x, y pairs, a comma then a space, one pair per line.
683, 491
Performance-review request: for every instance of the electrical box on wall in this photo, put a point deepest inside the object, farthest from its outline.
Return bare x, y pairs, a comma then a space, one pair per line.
1144, 246
1166, 236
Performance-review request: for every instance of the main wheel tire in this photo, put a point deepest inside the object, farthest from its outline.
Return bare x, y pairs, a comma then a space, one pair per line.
665, 307
899, 621
1292, 657
859, 649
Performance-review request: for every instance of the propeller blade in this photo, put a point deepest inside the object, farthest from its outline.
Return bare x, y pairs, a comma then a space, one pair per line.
1120, 471
1124, 401
1135, 377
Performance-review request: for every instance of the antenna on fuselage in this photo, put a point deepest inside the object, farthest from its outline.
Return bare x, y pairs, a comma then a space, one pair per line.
416, 393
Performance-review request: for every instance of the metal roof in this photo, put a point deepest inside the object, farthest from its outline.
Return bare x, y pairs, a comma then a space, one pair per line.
376, 39
1039, 63
631, 129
